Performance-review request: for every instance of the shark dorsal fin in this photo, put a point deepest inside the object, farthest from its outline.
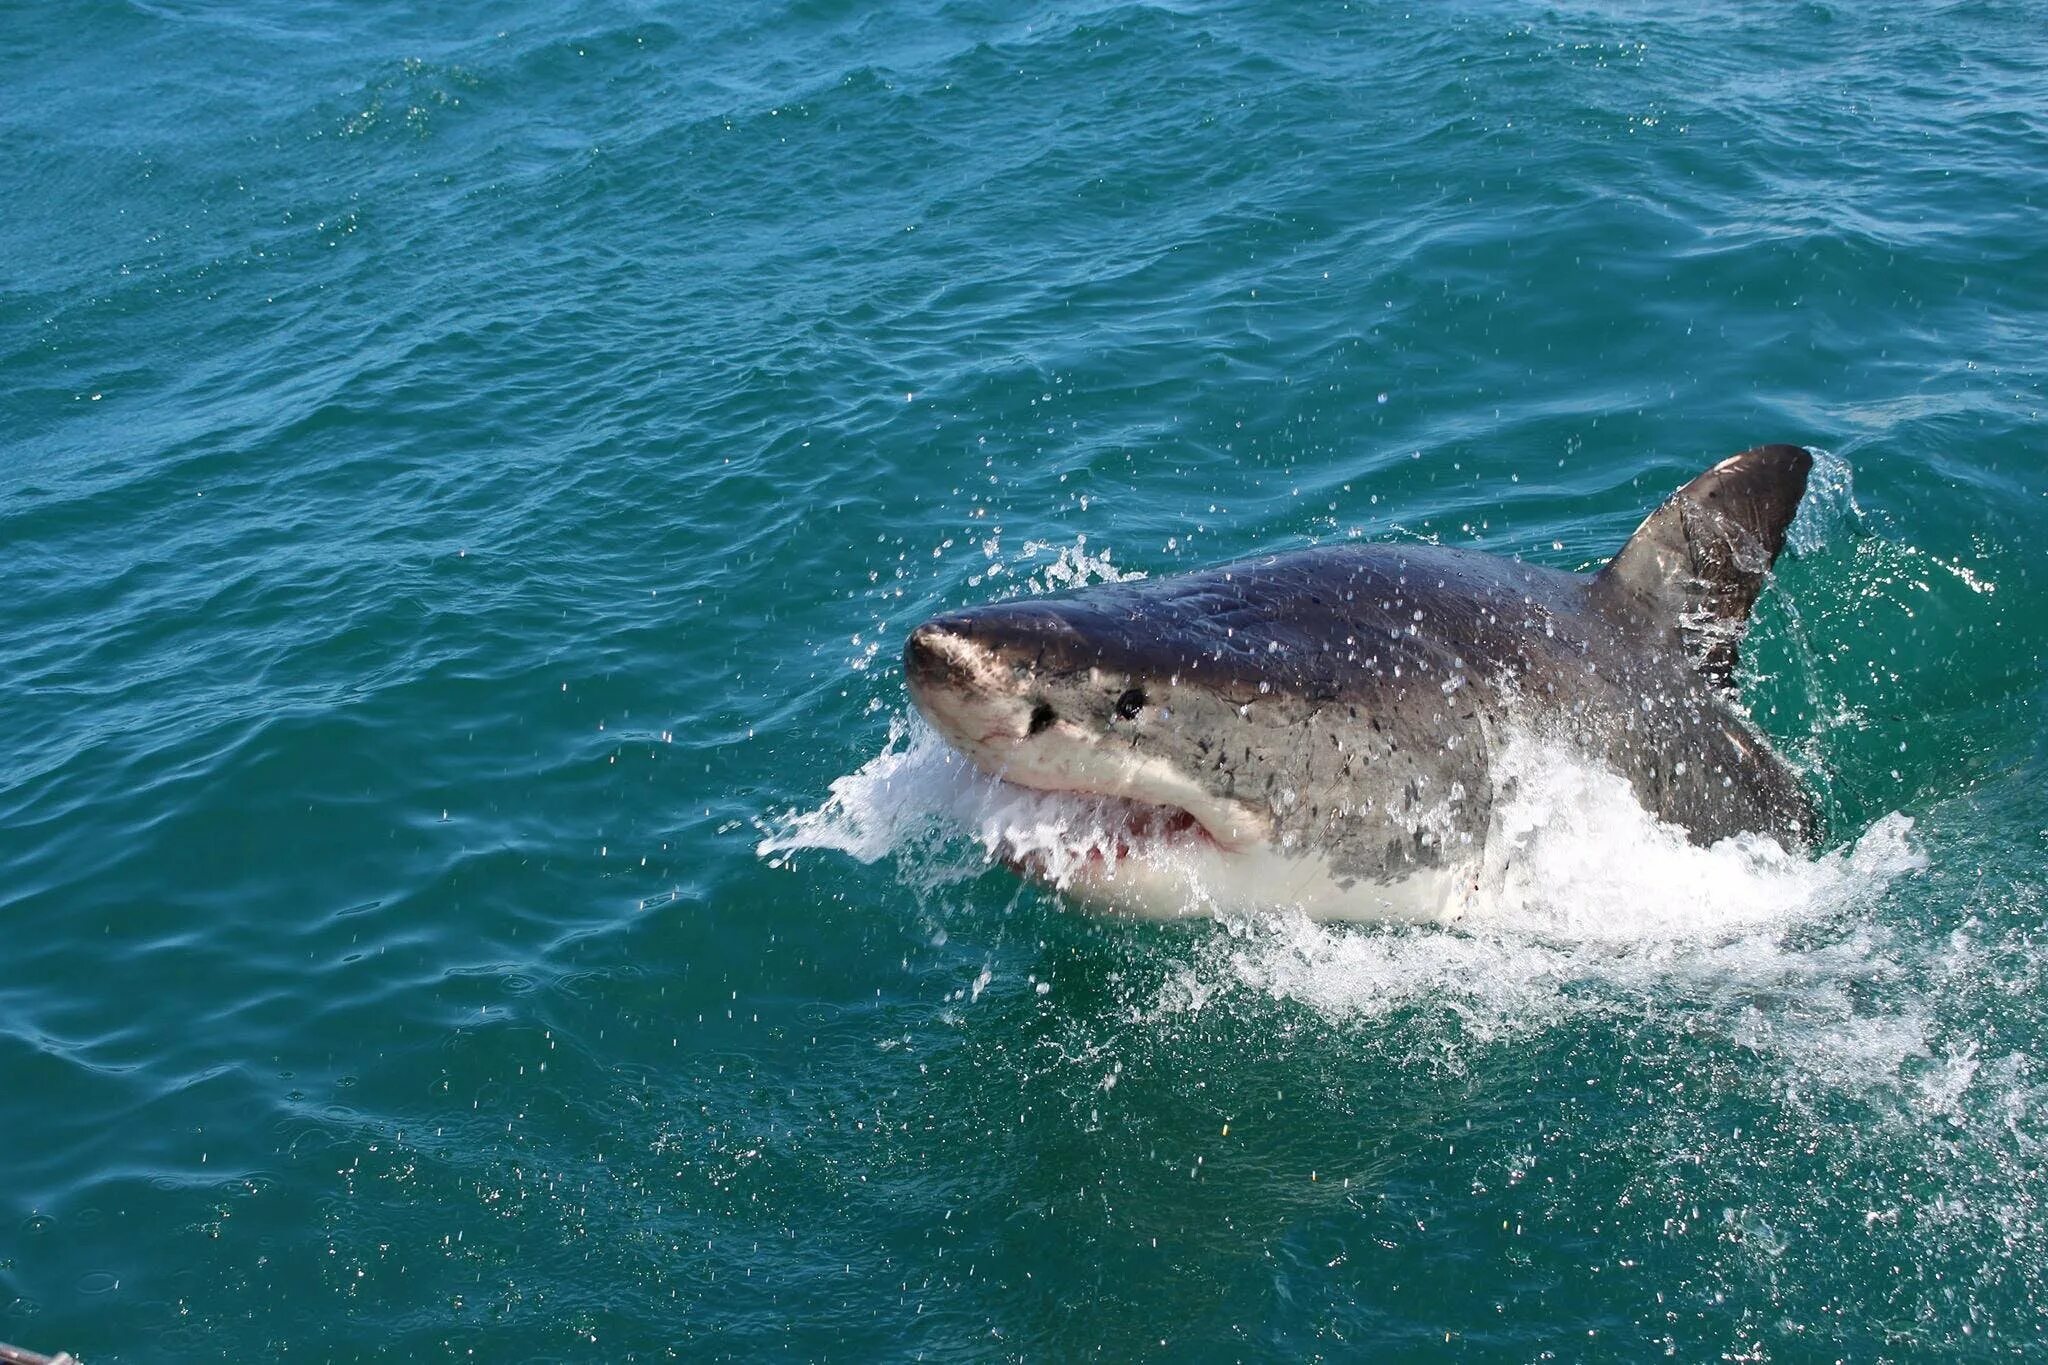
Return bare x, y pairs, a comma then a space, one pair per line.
1695, 566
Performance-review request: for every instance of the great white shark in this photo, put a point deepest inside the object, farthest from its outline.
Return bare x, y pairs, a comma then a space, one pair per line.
1318, 731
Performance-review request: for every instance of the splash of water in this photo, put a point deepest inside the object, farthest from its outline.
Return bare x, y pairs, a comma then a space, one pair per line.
919, 798
1585, 903
1587, 907
1572, 862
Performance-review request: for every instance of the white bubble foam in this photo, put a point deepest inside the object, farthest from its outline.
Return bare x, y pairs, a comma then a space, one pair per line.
1573, 857
906, 800
1588, 906
1585, 905
920, 802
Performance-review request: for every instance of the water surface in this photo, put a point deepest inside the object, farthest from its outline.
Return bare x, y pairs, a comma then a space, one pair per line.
469, 473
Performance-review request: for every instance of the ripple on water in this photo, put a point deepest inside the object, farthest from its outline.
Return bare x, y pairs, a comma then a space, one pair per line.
465, 469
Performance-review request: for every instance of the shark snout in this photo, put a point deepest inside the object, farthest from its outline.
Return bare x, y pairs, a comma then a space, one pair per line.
980, 675
1017, 688
963, 684
938, 656
991, 652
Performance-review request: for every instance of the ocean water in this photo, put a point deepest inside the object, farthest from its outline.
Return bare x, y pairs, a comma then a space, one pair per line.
470, 885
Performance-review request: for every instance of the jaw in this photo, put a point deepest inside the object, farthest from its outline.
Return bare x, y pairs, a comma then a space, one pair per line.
1154, 800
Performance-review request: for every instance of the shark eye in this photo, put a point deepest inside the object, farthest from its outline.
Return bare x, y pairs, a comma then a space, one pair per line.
1131, 703
1042, 717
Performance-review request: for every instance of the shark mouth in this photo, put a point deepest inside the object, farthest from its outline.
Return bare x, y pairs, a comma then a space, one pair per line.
1061, 836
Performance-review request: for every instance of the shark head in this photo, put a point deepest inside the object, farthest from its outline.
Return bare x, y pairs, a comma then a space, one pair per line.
1065, 696
1267, 735
1083, 697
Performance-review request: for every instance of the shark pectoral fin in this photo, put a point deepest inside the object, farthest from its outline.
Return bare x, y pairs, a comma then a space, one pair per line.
1694, 568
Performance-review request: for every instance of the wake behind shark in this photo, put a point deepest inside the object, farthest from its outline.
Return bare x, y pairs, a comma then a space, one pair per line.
1318, 731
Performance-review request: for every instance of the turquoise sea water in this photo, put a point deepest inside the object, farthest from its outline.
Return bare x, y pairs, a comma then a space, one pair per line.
469, 471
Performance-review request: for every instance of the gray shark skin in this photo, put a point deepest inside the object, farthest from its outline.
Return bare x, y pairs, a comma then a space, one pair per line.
1316, 730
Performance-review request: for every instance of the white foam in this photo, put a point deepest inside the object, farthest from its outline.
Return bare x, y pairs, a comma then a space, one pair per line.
895, 803
1587, 905
1584, 904
917, 799
1571, 857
